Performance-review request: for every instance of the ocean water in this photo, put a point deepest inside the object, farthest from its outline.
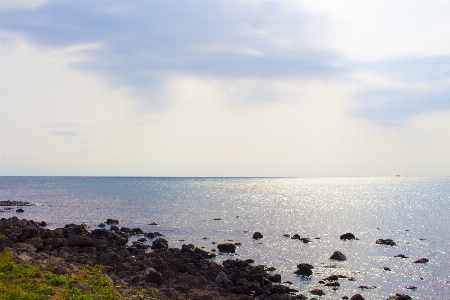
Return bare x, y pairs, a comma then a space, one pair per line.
414, 212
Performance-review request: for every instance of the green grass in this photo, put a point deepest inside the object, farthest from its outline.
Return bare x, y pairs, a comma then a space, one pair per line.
17, 282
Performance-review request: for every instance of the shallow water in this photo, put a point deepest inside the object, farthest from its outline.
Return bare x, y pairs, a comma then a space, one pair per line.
414, 212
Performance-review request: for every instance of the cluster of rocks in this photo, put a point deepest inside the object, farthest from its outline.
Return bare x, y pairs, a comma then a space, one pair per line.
8, 205
175, 273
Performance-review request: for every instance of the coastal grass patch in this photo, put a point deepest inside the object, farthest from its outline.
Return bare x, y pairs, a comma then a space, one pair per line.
24, 281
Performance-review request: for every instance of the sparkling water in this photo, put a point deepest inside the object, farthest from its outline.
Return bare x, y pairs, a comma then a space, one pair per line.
414, 212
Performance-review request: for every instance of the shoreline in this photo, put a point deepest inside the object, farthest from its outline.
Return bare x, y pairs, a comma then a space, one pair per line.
163, 272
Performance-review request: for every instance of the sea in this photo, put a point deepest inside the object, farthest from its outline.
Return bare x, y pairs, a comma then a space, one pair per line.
414, 212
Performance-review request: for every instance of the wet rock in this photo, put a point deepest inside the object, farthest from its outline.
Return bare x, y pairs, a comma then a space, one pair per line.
153, 224
137, 231
304, 269
226, 247
421, 260
295, 236
356, 297
29, 232
275, 278
337, 255
160, 244
14, 203
317, 292
19, 210
365, 287
347, 236
101, 225
42, 224
386, 269
388, 242
286, 235
112, 221
332, 278
305, 240
411, 287
333, 284
399, 297
79, 241
257, 235
401, 256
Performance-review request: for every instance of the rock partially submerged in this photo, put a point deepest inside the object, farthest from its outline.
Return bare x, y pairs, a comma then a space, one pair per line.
388, 242
338, 255
421, 260
399, 297
257, 235
347, 236
304, 269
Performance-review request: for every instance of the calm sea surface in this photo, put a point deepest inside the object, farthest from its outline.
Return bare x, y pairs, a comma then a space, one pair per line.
414, 212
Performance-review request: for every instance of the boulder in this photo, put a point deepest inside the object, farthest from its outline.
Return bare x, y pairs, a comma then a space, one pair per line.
112, 221
160, 244
109, 258
347, 236
29, 232
357, 297
388, 242
304, 269
421, 260
79, 241
151, 276
399, 297
337, 255
401, 256
317, 292
36, 242
257, 235
19, 210
295, 236
226, 247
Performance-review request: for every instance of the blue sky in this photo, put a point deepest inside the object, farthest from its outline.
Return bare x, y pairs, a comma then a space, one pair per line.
225, 88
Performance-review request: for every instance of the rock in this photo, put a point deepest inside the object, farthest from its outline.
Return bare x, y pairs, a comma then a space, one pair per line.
317, 292
79, 241
305, 240
399, 297
151, 276
19, 210
226, 247
295, 236
411, 287
275, 278
109, 258
36, 242
101, 225
388, 242
153, 224
137, 231
333, 284
42, 224
347, 236
29, 232
365, 287
401, 256
421, 260
304, 269
160, 244
83, 287
332, 278
386, 269
286, 235
112, 222
257, 235
356, 297
337, 255
54, 242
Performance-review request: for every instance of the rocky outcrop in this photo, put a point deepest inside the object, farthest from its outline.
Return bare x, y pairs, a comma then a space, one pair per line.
257, 235
388, 242
186, 273
347, 236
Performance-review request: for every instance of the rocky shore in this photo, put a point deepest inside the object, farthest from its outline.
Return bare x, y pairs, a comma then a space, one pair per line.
159, 272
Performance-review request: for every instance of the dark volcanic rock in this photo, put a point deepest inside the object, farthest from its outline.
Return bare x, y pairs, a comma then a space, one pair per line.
399, 297
226, 247
337, 255
304, 269
347, 236
421, 260
19, 210
160, 244
388, 242
257, 235
112, 221
79, 241
29, 232
317, 292
151, 276
295, 236
401, 256
357, 297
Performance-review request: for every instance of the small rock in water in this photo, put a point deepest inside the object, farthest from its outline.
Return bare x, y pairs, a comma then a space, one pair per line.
356, 297
226, 247
257, 235
347, 236
317, 292
153, 224
295, 236
399, 297
411, 287
305, 240
19, 210
101, 225
365, 287
401, 256
286, 235
304, 269
421, 260
388, 242
334, 284
218, 219
337, 255
386, 269
112, 221
332, 278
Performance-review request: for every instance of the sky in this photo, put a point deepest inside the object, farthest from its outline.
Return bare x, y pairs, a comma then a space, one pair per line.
224, 88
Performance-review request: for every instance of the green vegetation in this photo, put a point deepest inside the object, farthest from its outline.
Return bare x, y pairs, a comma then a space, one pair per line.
24, 281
